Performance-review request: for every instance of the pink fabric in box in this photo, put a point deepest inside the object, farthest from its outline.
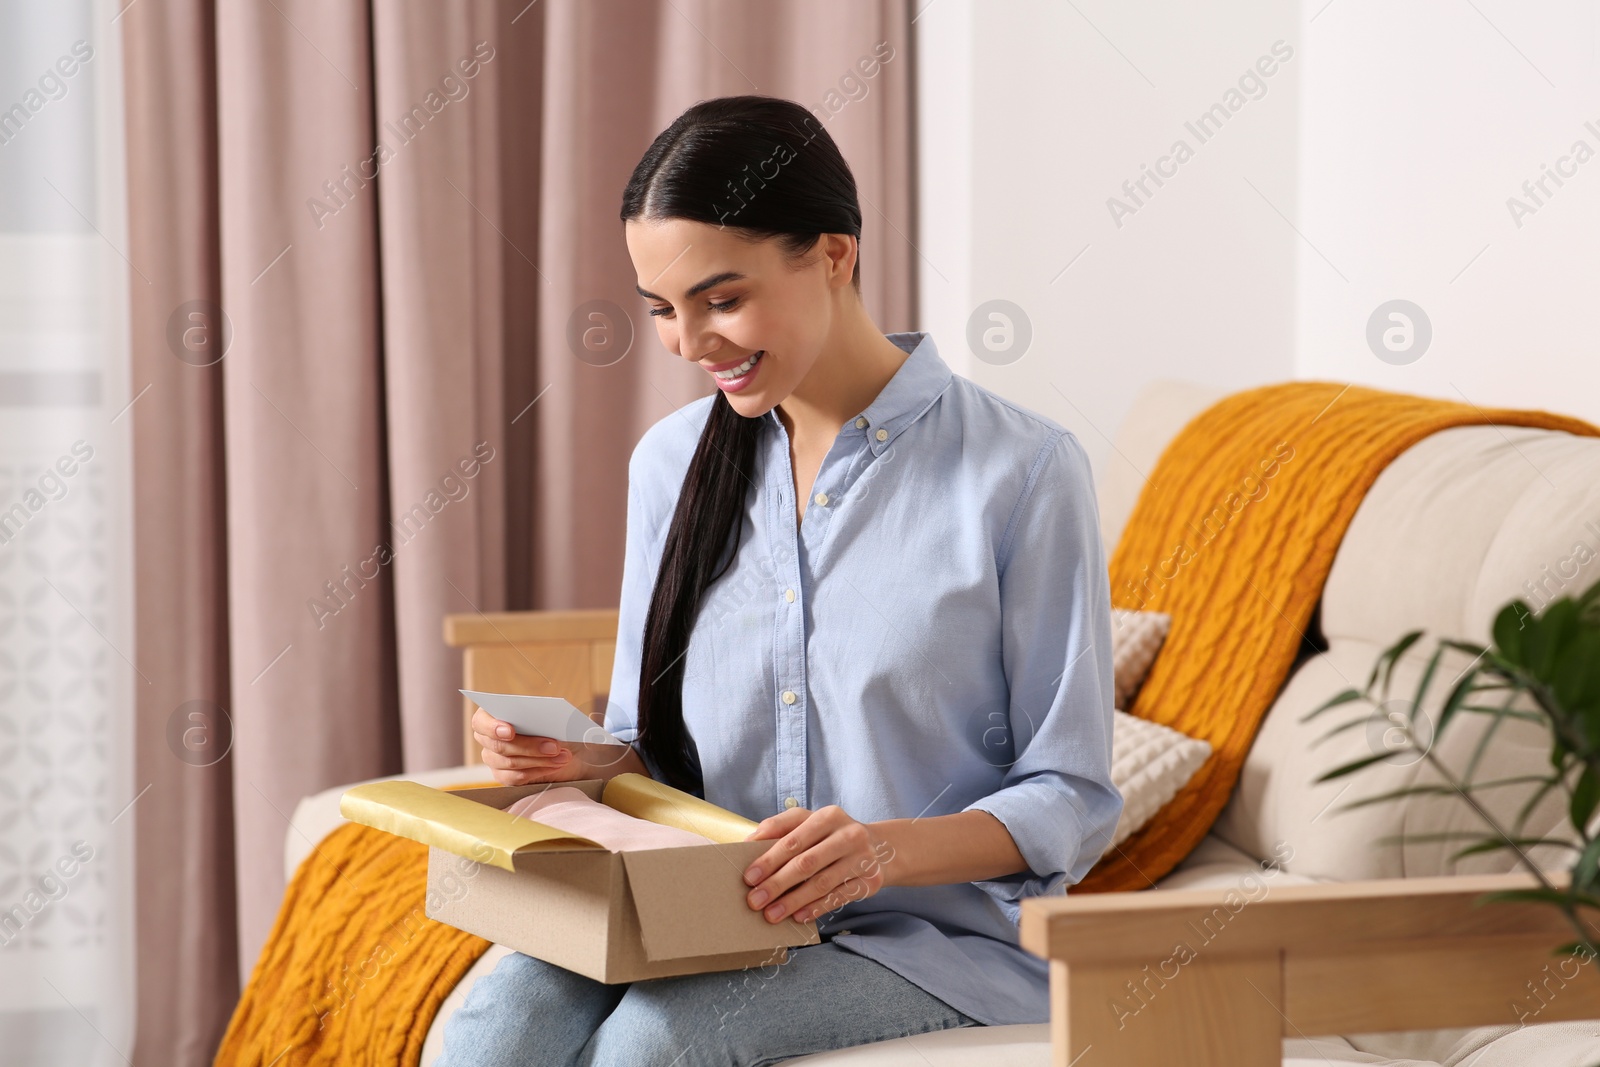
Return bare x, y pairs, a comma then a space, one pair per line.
566, 808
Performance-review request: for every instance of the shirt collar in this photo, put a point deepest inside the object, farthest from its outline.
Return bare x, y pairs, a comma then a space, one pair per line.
911, 391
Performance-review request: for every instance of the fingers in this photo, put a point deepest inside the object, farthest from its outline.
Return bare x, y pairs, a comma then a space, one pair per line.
838, 884
801, 867
530, 774
521, 745
489, 726
527, 759
779, 824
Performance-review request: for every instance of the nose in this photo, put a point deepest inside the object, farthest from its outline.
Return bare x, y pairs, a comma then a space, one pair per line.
695, 344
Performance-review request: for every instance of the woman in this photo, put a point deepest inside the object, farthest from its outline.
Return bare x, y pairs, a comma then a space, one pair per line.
864, 602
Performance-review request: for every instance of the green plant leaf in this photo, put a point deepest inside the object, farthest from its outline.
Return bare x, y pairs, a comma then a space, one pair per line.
1575, 677
1510, 630
1585, 797
1334, 701
1500, 844
1546, 639
1516, 779
1438, 835
1538, 895
1439, 790
1392, 655
1483, 742
1351, 768
1396, 794
1426, 681
1586, 872
1342, 728
1506, 713
1459, 693
1550, 784
1589, 604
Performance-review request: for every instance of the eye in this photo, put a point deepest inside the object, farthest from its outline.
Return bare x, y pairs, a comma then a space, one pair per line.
725, 306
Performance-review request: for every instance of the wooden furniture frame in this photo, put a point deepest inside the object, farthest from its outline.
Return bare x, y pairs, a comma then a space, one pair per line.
545, 653
1295, 961
1264, 961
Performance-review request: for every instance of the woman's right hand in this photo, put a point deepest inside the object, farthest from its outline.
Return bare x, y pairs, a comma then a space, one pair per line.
521, 759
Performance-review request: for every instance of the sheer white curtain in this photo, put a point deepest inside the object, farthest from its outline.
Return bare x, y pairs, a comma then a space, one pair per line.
66, 647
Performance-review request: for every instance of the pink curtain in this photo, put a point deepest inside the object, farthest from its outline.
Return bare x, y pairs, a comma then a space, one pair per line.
389, 212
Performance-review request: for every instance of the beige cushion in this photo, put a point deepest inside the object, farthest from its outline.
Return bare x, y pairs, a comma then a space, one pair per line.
1149, 764
1136, 638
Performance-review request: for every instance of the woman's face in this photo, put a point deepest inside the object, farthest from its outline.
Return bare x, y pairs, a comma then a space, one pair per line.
757, 304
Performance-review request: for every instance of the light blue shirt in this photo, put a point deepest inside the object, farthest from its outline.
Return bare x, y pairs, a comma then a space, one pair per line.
933, 637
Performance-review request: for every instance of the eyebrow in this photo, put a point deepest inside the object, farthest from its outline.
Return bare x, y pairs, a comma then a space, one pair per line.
699, 287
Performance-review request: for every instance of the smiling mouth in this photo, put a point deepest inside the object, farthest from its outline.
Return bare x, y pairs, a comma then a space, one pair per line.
742, 369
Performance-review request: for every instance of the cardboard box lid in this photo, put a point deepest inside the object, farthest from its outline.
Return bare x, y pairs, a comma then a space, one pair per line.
645, 798
468, 829
483, 832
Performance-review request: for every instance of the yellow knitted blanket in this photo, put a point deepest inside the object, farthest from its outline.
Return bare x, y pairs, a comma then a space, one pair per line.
353, 971
1233, 536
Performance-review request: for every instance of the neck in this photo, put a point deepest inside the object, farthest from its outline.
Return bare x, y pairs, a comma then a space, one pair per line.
855, 364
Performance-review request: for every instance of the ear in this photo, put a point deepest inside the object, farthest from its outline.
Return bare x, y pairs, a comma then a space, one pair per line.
842, 250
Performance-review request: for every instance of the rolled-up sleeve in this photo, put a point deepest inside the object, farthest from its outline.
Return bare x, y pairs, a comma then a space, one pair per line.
1057, 798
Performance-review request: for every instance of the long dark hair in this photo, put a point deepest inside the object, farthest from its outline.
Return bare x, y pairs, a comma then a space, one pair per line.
765, 168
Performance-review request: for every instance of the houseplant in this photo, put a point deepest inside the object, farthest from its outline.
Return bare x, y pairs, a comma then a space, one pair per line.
1542, 668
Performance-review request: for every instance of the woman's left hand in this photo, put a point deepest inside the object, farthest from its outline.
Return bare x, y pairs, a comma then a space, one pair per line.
823, 859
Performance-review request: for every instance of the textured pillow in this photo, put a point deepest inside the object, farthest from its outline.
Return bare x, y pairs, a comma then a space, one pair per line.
1149, 764
1136, 637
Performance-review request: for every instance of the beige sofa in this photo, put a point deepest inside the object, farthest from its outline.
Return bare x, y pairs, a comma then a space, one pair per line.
1457, 525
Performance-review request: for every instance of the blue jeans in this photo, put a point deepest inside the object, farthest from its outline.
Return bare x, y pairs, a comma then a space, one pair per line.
528, 1013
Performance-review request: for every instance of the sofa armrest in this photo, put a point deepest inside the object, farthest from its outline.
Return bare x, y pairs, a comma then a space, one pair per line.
1212, 977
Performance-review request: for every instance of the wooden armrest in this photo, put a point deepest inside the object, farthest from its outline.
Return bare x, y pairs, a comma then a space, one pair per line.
512, 627
1213, 977
548, 653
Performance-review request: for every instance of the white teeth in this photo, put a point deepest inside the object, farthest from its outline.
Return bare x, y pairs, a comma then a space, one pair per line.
741, 369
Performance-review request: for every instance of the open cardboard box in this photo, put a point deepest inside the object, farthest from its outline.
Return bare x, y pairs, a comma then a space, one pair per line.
613, 916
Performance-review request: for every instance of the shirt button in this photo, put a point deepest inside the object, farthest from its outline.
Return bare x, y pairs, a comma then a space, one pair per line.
821, 499
788, 696
861, 424
790, 802
882, 435
788, 594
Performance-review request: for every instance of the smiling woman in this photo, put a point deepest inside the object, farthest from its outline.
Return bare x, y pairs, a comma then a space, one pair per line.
912, 703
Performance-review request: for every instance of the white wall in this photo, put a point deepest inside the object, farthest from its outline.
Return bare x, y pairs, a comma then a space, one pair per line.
1420, 121
1032, 118
1375, 166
